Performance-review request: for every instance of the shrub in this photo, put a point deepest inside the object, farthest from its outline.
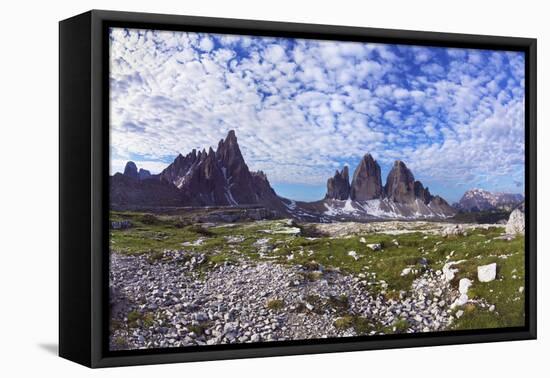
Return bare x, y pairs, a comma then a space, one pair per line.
310, 231
200, 230
180, 223
135, 318
401, 325
199, 329
275, 304
149, 219
360, 324
340, 304
155, 256
343, 323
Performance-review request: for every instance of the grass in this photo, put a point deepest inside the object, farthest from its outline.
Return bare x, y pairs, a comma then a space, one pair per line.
318, 253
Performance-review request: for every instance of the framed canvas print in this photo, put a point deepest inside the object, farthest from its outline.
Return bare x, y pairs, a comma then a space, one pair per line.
234, 188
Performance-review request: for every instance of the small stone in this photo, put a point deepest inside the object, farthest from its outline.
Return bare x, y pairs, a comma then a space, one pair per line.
375, 246
200, 316
460, 301
228, 327
459, 313
492, 308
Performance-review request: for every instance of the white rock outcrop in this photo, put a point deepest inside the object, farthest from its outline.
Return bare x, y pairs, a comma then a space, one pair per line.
449, 270
463, 285
457, 229
487, 273
460, 301
516, 223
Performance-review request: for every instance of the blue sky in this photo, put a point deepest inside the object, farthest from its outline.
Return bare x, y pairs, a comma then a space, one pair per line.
303, 108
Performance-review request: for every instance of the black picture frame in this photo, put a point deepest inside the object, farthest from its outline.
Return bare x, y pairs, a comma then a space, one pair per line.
83, 182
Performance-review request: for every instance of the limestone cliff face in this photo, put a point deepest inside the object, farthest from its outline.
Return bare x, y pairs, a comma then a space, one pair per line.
400, 186
338, 186
367, 182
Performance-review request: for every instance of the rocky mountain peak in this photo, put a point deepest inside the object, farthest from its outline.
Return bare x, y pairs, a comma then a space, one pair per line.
483, 200
179, 170
400, 184
422, 193
219, 177
338, 186
367, 181
131, 170
229, 153
144, 174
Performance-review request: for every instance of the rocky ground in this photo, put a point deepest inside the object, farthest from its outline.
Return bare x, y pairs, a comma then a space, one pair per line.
174, 305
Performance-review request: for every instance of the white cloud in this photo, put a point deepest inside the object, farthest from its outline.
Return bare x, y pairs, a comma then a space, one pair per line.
206, 44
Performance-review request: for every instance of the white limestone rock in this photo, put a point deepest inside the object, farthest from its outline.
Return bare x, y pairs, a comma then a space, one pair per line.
463, 285
487, 273
516, 223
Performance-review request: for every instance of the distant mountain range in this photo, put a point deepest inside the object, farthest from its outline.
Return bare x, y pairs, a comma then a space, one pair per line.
483, 200
221, 178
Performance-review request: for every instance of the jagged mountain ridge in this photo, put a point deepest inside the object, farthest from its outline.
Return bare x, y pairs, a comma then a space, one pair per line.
482, 200
213, 178
401, 197
221, 177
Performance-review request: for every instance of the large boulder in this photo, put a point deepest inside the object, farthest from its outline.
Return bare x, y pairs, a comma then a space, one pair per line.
487, 273
453, 230
516, 223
